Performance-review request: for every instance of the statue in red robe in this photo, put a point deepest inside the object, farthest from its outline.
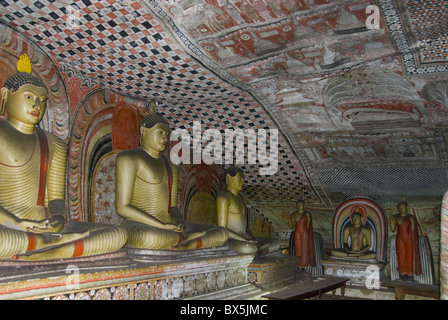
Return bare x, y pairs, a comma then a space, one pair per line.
407, 245
302, 236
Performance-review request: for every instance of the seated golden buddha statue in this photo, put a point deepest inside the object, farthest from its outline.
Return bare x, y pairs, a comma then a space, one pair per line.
231, 214
33, 224
146, 195
360, 240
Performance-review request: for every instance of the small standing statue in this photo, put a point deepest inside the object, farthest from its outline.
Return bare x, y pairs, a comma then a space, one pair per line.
303, 237
407, 241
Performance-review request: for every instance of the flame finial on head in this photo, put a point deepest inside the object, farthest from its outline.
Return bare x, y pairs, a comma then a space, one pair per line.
24, 64
152, 109
17, 80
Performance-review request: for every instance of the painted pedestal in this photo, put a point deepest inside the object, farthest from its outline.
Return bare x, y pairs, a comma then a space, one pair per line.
208, 273
270, 269
358, 271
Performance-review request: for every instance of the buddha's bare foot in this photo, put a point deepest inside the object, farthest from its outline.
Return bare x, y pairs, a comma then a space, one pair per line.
194, 235
61, 238
183, 246
41, 256
38, 256
195, 243
61, 247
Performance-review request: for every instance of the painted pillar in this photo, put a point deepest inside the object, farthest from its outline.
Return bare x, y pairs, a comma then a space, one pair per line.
444, 249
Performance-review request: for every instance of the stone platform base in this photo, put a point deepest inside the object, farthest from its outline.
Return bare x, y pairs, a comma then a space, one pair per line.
357, 270
129, 275
270, 269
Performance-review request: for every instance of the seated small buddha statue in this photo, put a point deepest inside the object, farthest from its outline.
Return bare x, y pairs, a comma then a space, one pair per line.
146, 195
231, 214
33, 224
360, 240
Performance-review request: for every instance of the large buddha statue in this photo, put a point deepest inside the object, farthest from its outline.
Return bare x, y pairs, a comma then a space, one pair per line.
231, 214
146, 195
360, 240
33, 224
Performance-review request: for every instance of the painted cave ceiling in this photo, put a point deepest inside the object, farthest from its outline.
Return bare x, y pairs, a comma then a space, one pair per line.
361, 111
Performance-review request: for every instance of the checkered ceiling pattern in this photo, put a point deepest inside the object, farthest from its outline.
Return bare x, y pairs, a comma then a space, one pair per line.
135, 48
121, 45
124, 47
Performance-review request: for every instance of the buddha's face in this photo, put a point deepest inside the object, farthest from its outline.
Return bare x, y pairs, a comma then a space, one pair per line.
26, 105
356, 219
300, 206
236, 182
402, 208
156, 138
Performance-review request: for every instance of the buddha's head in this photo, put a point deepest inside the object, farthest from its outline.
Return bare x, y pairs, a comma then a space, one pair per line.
154, 130
234, 178
402, 206
300, 204
357, 218
23, 96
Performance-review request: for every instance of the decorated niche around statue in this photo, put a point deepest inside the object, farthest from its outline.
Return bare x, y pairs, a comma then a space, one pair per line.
146, 187
359, 232
33, 221
232, 215
410, 252
356, 239
200, 187
126, 119
260, 225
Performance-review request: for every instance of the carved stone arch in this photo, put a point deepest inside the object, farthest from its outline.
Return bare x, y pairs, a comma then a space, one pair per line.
90, 138
373, 216
199, 188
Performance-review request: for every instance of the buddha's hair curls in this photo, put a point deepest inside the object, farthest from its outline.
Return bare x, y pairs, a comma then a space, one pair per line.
153, 119
232, 171
14, 82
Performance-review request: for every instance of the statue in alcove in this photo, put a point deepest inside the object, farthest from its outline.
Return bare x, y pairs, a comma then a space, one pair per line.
231, 213
202, 205
406, 242
359, 236
146, 188
32, 185
303, 235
